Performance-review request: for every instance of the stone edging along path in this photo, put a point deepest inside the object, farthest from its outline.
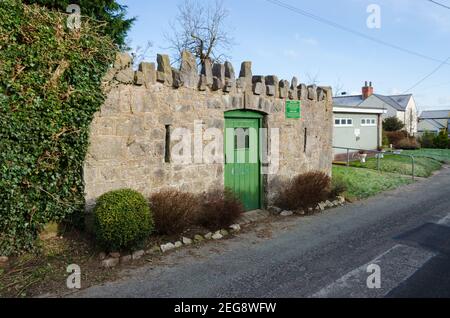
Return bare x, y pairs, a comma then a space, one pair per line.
114, 259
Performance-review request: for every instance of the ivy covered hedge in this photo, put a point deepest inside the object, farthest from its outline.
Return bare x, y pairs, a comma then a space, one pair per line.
50, 88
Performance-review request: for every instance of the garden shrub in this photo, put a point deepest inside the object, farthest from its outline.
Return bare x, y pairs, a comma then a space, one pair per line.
338, 186
409, 143
50, 88
441, 141
219, 209
393, 124
122, 219
395, 136
427, 139
173, 211
304, 191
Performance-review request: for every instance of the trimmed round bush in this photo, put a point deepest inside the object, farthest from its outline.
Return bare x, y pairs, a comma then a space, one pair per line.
122, 219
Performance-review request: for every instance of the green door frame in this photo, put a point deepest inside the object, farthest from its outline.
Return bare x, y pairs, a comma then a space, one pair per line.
248, 114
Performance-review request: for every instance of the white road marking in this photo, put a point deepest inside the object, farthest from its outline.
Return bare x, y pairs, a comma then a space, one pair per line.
444, 221
397, 265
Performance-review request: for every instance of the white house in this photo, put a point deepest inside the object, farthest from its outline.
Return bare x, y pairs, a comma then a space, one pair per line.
434, 121
401, 106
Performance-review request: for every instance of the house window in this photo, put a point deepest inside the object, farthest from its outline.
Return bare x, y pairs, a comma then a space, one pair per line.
368, 122
343, 122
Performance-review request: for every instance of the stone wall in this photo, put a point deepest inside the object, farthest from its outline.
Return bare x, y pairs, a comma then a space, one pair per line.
128, 134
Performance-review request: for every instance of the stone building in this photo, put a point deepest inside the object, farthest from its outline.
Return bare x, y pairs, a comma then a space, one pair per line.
133, 142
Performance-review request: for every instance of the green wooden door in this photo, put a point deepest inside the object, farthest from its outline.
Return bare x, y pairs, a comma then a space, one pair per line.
242, 161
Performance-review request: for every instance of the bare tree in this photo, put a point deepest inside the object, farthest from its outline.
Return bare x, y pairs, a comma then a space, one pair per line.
140, 54
338, 87
313, 78
200, 29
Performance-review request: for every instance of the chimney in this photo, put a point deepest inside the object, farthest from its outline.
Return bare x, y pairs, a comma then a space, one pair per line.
367, 90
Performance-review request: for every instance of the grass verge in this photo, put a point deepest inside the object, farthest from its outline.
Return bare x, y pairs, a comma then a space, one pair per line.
424, 167
442, 155
363, 183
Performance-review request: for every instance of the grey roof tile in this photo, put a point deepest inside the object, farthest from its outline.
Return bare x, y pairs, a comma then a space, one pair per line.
435, 114
399, 102
351, 100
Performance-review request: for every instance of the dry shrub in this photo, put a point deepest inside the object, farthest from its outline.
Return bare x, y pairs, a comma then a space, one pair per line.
395, 136
173, 211
219, 209
408, 144
304, 191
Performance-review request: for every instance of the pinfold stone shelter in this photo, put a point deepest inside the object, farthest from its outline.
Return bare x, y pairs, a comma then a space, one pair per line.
156, 115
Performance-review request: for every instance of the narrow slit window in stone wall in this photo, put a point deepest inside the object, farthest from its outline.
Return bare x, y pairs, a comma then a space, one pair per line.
305, 140
167, 145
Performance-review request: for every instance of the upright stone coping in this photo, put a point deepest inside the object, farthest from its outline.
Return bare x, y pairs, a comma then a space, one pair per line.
327, 92
312, 92
214, 77
245, 76
148, 73
164, 74
284, 89
302, 91
217, 84
207, 72
272, 84
294, 83
188, 70
218, 71
246, 69
122, 61
177, 78
229, 71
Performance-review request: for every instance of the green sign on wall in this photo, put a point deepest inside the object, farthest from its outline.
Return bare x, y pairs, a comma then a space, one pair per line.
293, 109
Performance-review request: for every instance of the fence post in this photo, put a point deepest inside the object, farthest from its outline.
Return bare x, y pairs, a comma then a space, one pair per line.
378, 162
348, 157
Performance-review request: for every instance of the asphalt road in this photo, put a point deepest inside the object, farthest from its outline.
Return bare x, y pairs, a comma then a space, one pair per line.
406, 232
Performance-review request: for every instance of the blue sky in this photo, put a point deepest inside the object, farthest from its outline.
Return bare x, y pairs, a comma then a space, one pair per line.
281, 42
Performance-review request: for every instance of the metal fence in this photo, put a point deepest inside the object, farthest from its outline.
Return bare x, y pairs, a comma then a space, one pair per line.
379, 156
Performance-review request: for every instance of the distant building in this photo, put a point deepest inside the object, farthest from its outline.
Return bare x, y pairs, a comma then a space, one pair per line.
434, 121
356, 128
401, 106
